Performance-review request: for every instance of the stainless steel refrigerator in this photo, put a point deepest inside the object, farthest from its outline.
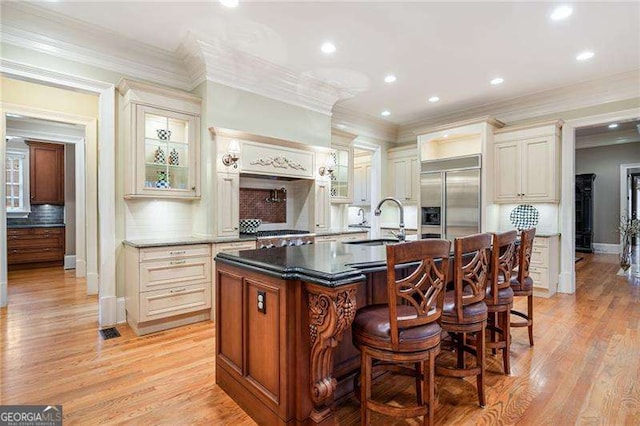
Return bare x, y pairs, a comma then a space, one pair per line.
450, 197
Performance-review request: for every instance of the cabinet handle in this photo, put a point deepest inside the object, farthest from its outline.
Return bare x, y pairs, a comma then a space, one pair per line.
178, 290
235, 228
193, 188
175, 253
177, 262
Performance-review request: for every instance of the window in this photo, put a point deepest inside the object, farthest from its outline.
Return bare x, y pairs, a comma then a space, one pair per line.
17, 184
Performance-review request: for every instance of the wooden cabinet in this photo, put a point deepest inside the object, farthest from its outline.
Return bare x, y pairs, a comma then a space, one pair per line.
46, 173
161, 129
322, 208
544, 268
167, 286
228, 204
527, 164
404, 175
35, 246
362, 184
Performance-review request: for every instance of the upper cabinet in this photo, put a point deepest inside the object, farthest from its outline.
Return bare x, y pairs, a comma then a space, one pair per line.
527, 164
404, 174
362, 179
46, 173
161, 129
341, 160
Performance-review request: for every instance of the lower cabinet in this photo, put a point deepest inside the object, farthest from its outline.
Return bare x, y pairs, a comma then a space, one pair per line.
544, 268
349, 236
167, 287
35, 246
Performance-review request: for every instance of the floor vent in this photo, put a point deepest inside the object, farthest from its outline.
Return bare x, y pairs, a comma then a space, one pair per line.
109, 333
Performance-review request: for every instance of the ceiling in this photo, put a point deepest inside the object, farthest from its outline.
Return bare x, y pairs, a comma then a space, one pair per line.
450, 50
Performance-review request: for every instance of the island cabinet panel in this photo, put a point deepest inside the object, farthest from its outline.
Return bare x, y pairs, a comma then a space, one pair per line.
229, 320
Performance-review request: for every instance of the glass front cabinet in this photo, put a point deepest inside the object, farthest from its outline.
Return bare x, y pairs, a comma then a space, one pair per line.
162, 147
342, 162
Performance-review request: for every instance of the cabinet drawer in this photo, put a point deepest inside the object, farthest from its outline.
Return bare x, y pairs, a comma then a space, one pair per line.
541, 242
174, 301
540, 256
327, 239
174, 273
239, 245
35, 242
34, 255
353, 237
539, 276
172, 252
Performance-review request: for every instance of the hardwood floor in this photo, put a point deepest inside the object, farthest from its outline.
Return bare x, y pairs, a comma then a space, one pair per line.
583, 369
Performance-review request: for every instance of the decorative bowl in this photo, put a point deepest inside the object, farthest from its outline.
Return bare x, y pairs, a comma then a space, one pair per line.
249, 226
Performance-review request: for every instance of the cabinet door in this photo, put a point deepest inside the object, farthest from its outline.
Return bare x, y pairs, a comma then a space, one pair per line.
538, 173
361, 184
167, 148
412, 180
507, 172
322, 206
228, 204
398, 177
342, 177
46, 173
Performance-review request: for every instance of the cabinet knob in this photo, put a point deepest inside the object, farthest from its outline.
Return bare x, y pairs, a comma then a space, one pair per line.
193, 188
235, 228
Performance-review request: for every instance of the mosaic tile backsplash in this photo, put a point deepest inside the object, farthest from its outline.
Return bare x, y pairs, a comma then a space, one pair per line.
41, 214
254, 205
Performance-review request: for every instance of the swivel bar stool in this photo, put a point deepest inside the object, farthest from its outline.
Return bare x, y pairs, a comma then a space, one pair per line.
522, 284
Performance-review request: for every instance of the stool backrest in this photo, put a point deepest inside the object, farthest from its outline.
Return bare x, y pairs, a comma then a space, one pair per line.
471, 270
504, 257
422, 287
524, 257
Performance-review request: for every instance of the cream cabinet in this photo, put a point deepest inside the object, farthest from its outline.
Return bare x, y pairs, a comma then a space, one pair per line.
404, 175
362, 184
341, 159
228, 204
322, 205
339, 238
527, 164
167, 287
161, 139
544, 268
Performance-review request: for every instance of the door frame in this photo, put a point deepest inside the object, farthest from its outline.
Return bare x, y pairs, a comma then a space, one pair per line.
567, 279
99, 179
624, 189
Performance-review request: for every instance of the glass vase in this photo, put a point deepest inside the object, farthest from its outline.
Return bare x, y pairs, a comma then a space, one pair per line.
625, 255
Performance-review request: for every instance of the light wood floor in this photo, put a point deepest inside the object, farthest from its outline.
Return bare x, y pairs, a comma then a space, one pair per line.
583, 369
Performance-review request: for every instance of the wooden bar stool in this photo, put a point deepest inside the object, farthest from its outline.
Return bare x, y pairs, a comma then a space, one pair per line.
464, 311
522, 284
406, 330
499, 298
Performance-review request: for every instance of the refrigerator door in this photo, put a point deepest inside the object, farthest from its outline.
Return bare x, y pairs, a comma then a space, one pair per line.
431, 200
462, 202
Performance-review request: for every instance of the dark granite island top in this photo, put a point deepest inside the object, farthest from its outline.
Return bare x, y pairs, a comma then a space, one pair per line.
328, 264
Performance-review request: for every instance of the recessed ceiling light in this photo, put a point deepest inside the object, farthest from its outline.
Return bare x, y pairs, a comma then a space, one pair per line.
385, 113
587, 54
561, 12
434, 99
390, 78
229, 3
497, 80
328, 47
613, 125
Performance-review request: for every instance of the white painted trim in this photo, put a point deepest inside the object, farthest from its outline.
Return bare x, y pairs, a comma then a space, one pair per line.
606, 248
121, 311
344, 119
624, 170
32, 134
93, 285
69, 261
567, 204
4, 298
109, 304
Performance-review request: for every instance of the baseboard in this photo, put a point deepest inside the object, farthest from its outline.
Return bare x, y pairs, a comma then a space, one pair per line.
81, 267
70, 261
107, 316
606, 248
92, 283
121, 311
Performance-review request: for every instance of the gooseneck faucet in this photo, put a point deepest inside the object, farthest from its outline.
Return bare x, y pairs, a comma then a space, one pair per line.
364, 219
402, 234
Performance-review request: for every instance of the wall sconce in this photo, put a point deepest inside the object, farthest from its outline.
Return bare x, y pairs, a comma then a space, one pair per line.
232, 157
328, 168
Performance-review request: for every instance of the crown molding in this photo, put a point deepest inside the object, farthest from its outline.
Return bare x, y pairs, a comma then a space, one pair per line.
219, 62
34, 28
553, 101
345, 119
607, 139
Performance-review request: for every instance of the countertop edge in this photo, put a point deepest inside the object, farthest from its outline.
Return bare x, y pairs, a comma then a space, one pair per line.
40, 225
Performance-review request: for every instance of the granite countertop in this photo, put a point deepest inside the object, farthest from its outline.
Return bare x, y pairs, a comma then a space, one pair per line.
183, 241
40, 225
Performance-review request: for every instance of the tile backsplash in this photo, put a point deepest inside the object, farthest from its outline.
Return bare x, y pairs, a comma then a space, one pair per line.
41, 214
254, 205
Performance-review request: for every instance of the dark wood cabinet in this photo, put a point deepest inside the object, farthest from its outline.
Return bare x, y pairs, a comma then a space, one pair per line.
35, 246
584, 212
46, 173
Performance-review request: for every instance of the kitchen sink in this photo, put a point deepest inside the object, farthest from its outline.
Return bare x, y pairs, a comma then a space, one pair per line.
378, 242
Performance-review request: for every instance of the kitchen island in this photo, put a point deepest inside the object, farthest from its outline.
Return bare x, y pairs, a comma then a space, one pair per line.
283, 318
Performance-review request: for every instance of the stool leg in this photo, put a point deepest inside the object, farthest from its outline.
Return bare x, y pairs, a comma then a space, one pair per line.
461, 342
429, 384
480, 359
365, 388
530, 315
506, 352
419, 367
495, 324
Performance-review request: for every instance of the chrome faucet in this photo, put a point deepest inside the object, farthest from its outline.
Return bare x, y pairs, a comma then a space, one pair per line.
364, 219
402, 234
